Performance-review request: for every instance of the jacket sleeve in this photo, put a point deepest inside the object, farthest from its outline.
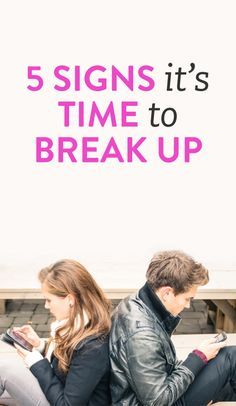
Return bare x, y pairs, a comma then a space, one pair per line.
87, 368
152, 376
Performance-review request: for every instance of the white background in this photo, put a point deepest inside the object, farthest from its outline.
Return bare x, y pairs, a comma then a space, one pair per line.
112, 216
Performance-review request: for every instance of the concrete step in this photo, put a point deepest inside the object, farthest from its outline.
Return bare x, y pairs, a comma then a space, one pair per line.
185, 343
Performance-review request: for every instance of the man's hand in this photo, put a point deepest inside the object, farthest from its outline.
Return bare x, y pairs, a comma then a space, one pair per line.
210, 348
28, 333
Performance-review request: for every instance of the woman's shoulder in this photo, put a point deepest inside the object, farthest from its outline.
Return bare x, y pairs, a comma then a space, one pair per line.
95, 343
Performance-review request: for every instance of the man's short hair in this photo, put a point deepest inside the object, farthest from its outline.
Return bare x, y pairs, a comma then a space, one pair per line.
177, 270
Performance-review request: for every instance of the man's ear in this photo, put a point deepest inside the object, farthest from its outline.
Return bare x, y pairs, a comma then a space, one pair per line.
164, 292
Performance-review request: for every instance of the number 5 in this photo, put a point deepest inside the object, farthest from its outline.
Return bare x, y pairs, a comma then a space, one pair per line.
32, 75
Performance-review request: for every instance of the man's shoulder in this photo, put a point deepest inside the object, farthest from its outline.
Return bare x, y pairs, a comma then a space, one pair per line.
131, 306
131, 315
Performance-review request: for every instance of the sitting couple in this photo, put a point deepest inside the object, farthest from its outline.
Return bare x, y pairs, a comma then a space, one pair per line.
75, 367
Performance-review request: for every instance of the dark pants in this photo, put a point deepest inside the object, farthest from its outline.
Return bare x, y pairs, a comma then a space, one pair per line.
216, 382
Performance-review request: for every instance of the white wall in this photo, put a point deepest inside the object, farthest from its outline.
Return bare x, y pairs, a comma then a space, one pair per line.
110, 214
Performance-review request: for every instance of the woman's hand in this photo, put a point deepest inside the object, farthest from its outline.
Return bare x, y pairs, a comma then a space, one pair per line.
28, 333
30, 357
21, 351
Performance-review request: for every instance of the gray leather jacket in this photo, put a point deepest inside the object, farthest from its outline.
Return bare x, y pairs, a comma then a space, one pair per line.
145, 370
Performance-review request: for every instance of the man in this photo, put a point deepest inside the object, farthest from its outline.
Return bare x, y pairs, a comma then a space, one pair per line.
145, 370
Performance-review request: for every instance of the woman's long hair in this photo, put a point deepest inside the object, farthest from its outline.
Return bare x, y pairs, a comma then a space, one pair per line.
70, 277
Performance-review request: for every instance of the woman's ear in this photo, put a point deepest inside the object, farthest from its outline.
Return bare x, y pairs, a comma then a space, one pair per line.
71, 300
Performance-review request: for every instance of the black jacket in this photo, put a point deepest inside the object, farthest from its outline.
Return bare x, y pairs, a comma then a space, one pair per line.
145, 370
87, 381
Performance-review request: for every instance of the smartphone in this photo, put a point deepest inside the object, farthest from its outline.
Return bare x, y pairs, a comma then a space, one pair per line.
11, 337
220, 337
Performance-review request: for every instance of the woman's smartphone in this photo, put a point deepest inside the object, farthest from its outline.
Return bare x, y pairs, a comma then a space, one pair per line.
220, 337
11, 337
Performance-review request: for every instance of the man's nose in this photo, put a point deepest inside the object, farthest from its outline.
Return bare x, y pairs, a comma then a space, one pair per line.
187, 305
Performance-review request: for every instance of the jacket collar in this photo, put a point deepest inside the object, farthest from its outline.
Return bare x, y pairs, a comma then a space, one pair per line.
151, 300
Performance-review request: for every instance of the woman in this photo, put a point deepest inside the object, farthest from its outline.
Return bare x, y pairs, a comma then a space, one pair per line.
74, 370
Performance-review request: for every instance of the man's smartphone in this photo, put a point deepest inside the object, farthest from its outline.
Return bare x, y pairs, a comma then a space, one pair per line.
220, 337
11, 337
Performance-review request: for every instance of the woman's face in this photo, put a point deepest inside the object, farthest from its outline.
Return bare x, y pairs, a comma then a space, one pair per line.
58, 306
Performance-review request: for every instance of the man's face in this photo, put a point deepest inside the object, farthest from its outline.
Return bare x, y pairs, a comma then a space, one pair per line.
175, 304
